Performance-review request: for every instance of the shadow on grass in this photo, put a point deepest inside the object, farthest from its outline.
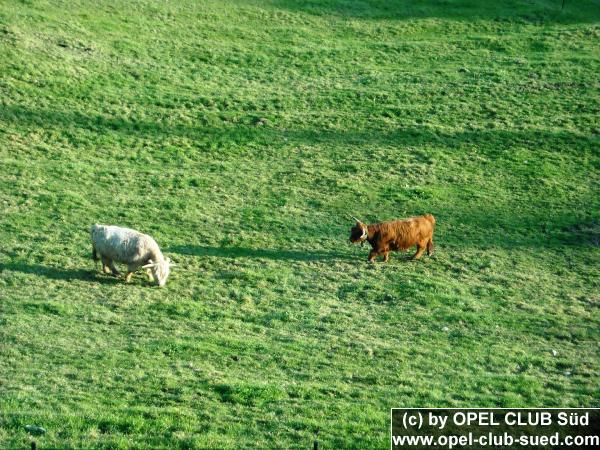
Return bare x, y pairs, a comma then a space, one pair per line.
56, 273
582, 233
493, 142
258, 253
534, 11
464, 223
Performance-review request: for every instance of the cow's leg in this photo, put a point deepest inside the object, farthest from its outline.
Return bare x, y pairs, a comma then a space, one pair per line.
105, 265
113, 269
430, 247
131, 268
372, 255
385, 252
420, 250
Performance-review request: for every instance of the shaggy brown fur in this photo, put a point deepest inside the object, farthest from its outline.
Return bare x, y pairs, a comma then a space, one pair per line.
396, 235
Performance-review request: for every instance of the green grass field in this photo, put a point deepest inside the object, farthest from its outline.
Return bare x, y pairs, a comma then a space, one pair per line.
241, 135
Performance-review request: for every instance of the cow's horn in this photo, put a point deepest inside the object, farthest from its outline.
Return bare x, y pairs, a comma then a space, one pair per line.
365, 234
355, 219
148, 266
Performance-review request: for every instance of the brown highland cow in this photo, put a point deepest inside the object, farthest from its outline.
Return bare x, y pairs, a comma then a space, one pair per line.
396, 235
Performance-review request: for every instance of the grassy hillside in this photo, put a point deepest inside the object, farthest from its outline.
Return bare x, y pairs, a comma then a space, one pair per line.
241, 135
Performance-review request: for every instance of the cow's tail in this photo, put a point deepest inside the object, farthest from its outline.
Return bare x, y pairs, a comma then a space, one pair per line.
94, 253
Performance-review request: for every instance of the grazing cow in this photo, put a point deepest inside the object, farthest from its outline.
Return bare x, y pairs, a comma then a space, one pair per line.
123, 245
396, 235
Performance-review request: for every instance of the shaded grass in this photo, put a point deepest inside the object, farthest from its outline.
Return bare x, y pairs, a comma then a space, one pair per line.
504, 11
241, 135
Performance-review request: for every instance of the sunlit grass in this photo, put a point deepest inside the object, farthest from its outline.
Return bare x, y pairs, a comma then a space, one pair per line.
241, 135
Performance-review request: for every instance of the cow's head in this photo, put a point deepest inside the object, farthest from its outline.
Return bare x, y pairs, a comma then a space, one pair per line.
160, 270
359, 232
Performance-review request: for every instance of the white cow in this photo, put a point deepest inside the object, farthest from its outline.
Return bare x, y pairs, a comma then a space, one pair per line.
123, 245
